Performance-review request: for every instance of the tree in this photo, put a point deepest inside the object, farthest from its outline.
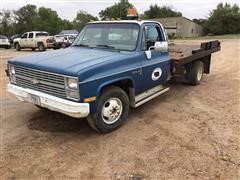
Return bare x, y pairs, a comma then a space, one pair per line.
7, 23
47, 20
82, 19
29, 18
118, 10
156, 11
24, 18
65, 24
225, 19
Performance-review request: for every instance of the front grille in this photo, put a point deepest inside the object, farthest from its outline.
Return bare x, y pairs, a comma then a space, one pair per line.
42, 81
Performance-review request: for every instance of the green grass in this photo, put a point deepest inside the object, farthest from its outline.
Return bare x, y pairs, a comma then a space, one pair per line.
227, 36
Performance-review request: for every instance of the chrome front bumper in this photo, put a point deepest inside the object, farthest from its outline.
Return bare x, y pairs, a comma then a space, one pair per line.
73, 109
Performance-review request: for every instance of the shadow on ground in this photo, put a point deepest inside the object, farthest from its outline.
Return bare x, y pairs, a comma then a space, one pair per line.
49, 121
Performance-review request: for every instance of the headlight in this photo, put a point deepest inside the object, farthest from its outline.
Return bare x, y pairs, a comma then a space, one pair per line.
12, 70
72, 83
12, 74
72, 94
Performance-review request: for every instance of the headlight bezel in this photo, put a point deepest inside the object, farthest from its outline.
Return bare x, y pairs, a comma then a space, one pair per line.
71, 89
12, 70
12, 74
71, 83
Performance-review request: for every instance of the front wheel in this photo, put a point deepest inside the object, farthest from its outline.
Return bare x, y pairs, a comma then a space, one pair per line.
18, 47
112, 110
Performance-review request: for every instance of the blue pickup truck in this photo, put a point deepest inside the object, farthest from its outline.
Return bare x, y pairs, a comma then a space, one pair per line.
111, 66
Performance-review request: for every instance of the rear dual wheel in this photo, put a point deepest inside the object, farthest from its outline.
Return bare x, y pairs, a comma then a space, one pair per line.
195, 73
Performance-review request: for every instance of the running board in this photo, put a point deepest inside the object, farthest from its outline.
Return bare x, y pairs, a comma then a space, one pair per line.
149, 95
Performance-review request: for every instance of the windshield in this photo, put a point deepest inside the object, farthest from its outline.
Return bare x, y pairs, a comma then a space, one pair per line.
112, 36
3, 37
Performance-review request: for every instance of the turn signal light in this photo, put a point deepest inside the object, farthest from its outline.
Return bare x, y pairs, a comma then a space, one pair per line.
90, 99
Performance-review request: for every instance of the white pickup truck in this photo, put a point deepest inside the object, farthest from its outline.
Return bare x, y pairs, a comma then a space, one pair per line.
33, 40
63, 41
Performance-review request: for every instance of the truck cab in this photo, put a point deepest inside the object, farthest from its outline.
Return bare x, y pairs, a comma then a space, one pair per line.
110, 67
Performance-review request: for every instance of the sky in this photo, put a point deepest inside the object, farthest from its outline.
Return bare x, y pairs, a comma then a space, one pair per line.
67, 9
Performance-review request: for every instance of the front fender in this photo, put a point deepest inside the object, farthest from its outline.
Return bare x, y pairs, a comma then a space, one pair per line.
17, 40
112, 81
94, 88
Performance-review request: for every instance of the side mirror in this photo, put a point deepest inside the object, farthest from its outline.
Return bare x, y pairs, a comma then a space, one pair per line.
158, 46
161, 46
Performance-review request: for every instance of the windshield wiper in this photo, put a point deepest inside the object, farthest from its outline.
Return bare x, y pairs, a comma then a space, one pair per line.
105, 46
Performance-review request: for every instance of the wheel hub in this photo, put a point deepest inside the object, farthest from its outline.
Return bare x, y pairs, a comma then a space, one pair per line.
112, 110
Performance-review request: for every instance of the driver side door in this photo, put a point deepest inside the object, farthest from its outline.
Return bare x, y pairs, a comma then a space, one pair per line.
23, 40
29, 42
157, 68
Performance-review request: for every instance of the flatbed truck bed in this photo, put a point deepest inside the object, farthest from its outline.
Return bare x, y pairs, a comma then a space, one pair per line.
183, 57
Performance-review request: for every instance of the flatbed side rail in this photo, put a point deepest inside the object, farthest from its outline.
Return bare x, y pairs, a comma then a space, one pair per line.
206, 48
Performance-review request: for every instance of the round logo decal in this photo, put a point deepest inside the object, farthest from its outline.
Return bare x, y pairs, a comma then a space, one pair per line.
156, 74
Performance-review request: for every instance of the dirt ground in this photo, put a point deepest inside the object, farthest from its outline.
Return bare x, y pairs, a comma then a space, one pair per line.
191, 132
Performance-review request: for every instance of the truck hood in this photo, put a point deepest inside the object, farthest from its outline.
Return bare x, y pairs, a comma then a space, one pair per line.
67, 61
16, 39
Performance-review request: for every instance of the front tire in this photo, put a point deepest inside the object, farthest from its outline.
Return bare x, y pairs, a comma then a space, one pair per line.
112, 110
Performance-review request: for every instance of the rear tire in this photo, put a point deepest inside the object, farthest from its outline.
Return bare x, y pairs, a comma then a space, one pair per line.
112, 110
196, 73
18, 47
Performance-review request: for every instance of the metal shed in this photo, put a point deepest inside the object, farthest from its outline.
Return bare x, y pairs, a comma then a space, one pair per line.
180, 27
